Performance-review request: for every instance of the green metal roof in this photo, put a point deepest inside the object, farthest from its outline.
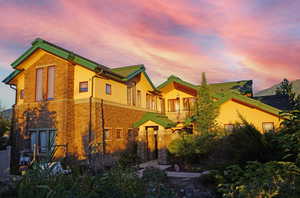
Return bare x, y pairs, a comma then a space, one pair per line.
126, 71
122, 74
157, 118
244, 86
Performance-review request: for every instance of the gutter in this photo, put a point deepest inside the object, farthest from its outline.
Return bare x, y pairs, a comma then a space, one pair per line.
12, 136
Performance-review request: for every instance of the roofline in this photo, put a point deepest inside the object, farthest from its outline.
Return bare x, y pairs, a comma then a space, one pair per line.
252, 102
62, 53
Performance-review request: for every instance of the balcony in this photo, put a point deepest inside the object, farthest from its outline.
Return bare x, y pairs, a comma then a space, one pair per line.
178, 116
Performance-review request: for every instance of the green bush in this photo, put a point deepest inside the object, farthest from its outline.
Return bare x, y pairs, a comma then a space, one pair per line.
189, 149
272, 179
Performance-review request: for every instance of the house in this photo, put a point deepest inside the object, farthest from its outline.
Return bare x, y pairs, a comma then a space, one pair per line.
83, 105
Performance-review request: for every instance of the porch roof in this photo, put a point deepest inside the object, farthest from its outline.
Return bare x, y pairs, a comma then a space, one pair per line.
157, 118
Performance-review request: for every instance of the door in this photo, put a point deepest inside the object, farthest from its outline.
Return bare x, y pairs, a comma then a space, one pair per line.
152, 142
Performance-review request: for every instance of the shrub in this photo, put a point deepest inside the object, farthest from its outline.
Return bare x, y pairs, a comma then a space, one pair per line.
272, 179
190, 149
155, 181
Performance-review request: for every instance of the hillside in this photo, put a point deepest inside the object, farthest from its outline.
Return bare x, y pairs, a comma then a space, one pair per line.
271, 90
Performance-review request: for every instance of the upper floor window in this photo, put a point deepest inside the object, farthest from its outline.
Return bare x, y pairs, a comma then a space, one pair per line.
108, 89
83, 86
22, 94
139, 98
39, 85
268, 126
153, 102
148, 101
51, 82
173, 105
131, 95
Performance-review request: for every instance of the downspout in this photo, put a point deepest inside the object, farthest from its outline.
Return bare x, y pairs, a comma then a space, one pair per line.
90, 116
12, 136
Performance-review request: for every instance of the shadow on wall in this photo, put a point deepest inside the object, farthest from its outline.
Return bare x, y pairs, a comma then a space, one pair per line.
33, 118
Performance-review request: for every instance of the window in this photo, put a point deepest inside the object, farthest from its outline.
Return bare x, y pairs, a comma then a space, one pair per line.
51, 82
22, 94
188, 103
129, 95
107, 133
119, 133
83, 86
43, 139
139, 98
228, 127
148, 101
268, 126
153, 103
108, 89
39, 85
173, 105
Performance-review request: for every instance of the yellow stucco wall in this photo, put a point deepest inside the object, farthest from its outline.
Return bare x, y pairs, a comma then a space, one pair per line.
82, 74
230, 110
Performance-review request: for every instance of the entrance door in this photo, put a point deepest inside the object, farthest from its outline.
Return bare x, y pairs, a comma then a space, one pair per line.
152, 142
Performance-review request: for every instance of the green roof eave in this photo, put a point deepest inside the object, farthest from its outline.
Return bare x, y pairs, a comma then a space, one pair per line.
65, 54
232, 95
157, 118
11, 76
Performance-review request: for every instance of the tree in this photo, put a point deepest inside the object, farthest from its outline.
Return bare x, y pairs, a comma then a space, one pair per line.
206, 110
286, 89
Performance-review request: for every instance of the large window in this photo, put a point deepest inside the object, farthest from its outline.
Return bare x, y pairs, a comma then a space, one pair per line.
51, 82
173, 105
39, 85
83, 86
42, 139
108, 89
268, 126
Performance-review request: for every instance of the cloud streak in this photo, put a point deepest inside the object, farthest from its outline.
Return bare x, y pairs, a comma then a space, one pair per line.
229, 40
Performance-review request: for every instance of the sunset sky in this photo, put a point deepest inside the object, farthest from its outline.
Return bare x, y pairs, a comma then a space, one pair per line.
228, 39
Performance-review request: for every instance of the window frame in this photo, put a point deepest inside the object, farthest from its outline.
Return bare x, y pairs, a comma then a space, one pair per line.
110, 130
264, 130
139, 98
170, 107
87, 88
39, 88
107, 85
48, 83
37, 133
121, 133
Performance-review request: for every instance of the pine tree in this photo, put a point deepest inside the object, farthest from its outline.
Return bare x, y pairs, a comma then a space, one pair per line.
206, 110
286, 89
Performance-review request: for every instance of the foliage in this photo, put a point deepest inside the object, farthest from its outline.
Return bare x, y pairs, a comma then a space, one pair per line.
4, 128
206, 110
129, 157
245, 143
190, 148
156, 184
286, 89
272, 179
